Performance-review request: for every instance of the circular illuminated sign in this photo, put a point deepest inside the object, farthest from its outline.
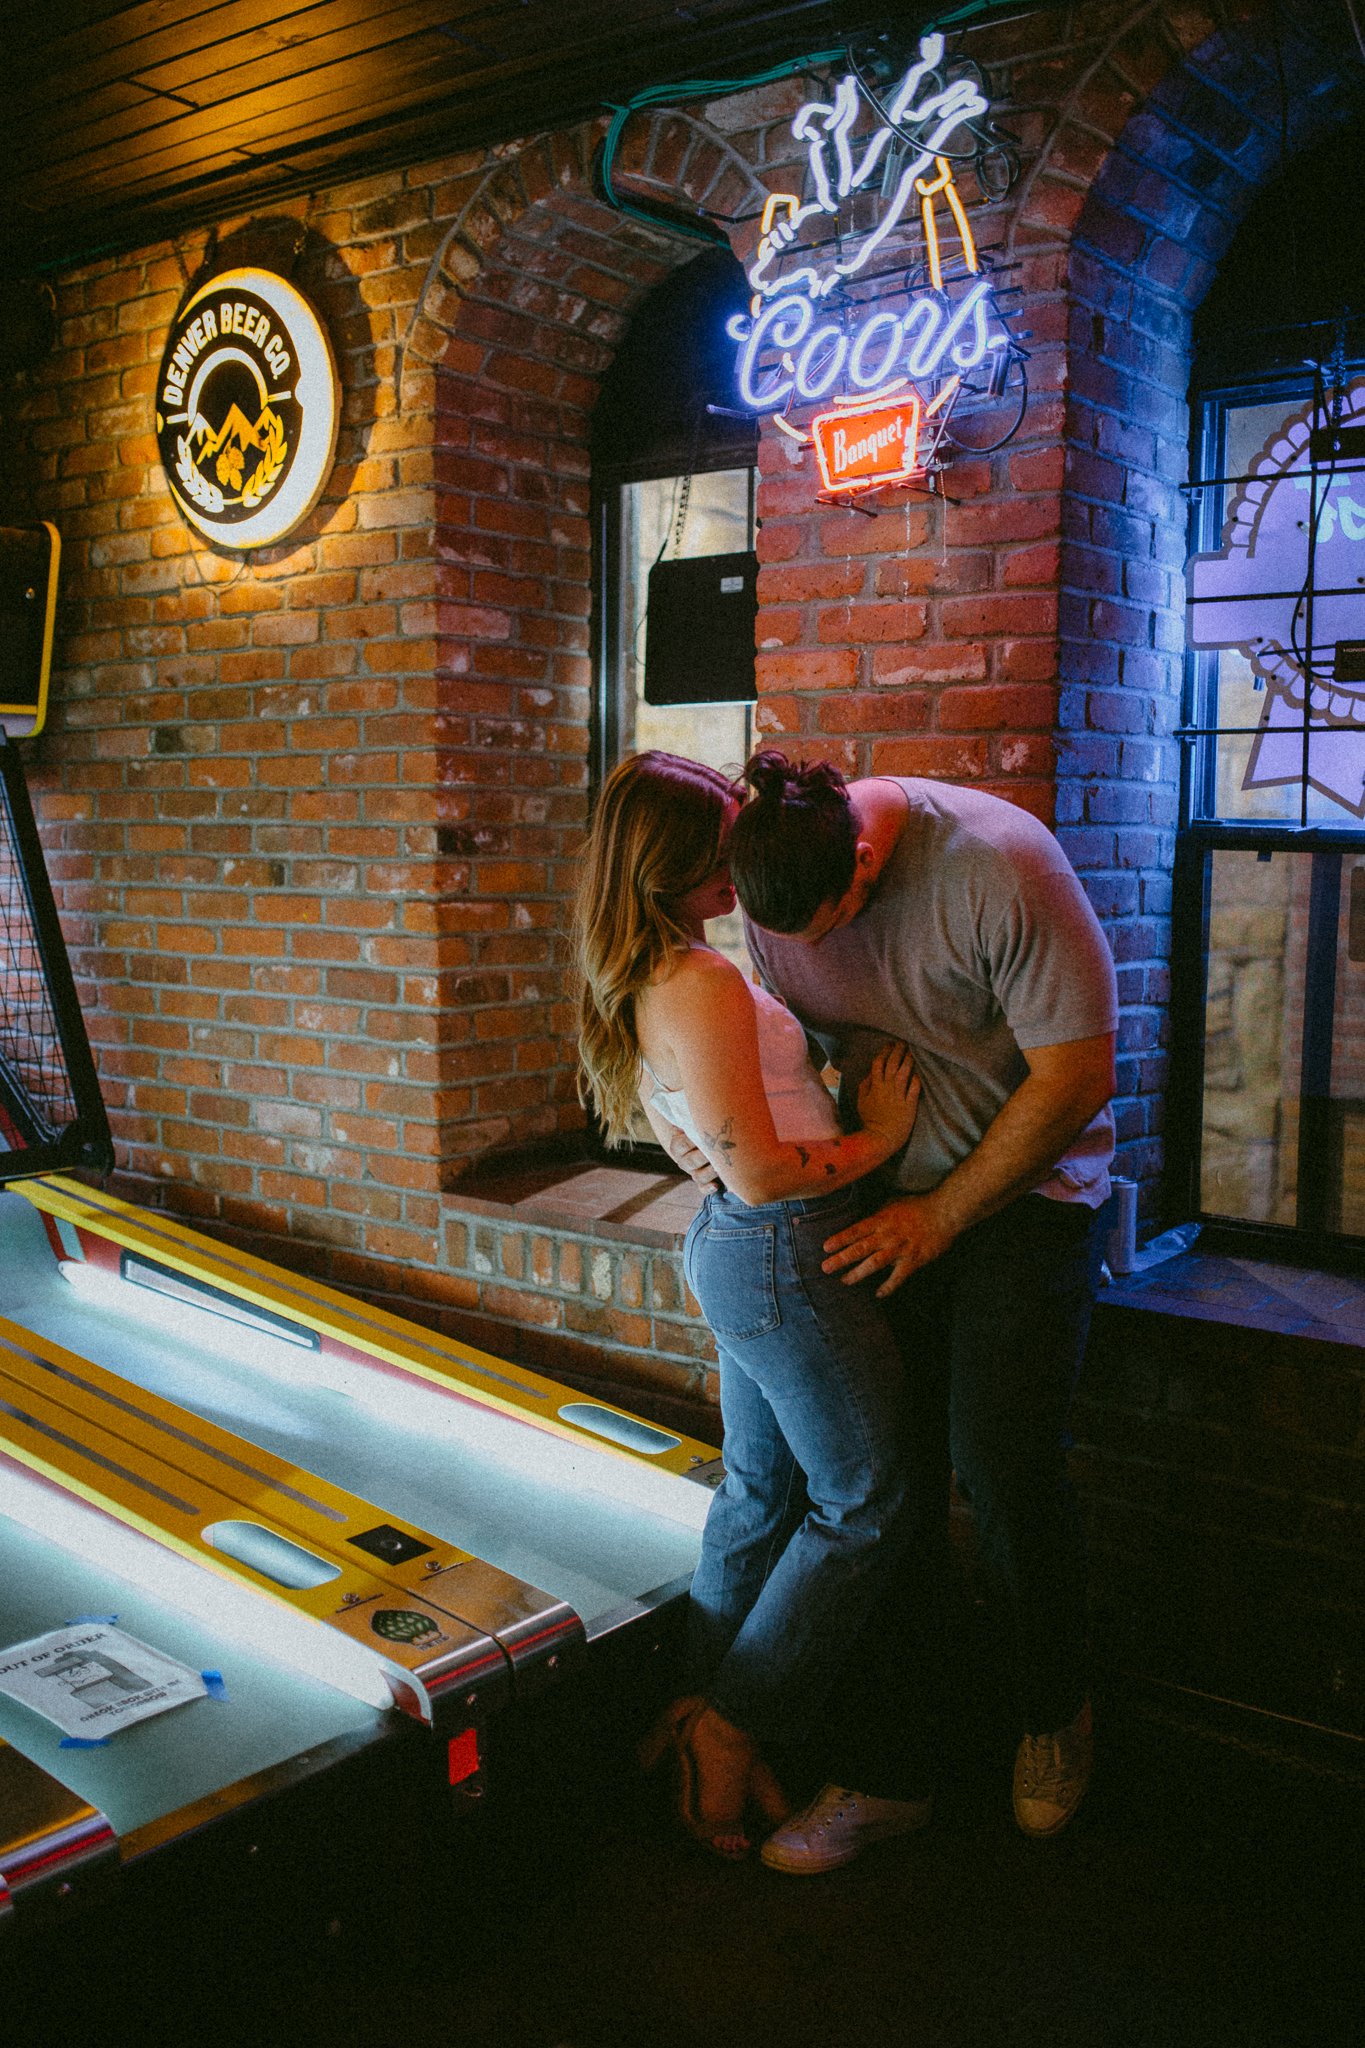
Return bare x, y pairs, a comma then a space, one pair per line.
246, 408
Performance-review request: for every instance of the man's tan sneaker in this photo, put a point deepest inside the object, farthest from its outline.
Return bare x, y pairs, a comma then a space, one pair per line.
1051, 1773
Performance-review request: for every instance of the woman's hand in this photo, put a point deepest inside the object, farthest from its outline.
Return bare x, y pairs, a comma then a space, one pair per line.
888, 1099
692, 1160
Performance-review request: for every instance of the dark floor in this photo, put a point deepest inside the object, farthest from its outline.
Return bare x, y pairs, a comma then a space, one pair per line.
1208, 1894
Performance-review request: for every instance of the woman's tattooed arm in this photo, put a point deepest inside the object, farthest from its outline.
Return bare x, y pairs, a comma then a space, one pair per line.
721, 1141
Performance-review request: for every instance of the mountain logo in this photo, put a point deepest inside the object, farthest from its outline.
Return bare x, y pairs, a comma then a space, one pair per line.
246, 408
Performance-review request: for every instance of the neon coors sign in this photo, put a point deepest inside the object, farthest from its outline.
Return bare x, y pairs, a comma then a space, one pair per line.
788, 354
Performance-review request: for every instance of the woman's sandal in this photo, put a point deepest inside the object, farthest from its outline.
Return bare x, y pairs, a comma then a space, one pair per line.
718, 1774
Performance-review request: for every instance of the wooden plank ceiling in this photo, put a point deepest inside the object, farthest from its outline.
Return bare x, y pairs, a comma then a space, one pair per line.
133, 118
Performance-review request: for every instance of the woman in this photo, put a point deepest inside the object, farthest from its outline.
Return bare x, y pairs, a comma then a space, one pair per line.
801, 1533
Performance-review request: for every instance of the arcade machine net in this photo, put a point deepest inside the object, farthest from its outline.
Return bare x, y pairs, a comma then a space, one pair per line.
51, 1114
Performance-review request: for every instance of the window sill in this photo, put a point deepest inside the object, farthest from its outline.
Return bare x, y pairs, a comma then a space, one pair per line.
625, 1204
1251, 1294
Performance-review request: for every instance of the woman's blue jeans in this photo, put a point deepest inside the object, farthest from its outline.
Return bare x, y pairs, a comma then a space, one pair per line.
806, 1530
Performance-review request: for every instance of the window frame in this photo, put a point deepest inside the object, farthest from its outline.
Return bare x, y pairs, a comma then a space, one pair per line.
609, 480
608, 589
1200, 835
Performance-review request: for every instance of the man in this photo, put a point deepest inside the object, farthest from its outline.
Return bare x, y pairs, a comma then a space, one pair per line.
952, 919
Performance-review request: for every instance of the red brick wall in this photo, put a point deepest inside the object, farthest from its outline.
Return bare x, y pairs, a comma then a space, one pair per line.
535, 285
254, 790
221, 785
313, 813
533, 332
605, 1306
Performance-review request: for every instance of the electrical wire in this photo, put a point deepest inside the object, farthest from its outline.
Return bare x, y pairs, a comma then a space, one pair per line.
966, 446
667, 95
701, 228
1355, 25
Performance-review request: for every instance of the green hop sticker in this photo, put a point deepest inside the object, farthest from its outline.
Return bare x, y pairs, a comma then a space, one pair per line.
402, 1625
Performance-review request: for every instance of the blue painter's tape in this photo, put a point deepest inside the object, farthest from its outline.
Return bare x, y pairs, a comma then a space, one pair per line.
87, 1620
213, 1685
84, 1742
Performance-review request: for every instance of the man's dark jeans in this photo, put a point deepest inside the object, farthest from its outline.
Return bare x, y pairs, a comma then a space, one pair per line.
992, 1336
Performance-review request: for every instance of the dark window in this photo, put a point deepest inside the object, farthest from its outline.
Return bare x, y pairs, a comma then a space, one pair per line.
674, 481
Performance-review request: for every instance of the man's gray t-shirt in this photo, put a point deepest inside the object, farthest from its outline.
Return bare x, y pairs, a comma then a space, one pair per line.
976, 945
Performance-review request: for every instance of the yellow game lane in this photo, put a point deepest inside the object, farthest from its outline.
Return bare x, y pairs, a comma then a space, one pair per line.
330, 1522
354, 1331
222, 1515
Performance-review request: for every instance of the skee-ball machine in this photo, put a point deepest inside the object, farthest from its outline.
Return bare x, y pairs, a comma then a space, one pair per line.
252, 1529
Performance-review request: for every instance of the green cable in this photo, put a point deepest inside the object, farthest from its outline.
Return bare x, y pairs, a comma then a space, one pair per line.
688, 89
722, 88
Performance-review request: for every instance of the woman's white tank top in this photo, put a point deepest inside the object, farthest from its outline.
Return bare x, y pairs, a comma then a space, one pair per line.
801, 1105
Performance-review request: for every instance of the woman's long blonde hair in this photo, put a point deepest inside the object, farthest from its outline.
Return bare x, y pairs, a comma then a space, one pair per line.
656, 835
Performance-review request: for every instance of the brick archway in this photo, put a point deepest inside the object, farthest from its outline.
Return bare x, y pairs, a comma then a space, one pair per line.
1161, 208
1026, 633
525, 305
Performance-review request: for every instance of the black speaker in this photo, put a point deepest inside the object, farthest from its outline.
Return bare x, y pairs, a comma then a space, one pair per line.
28, 603
699, 631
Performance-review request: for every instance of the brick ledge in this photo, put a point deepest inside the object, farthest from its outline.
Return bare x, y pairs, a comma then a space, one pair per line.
1284, 1301
630, 1205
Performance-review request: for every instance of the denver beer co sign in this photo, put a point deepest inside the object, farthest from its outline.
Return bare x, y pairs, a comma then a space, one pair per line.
246, 408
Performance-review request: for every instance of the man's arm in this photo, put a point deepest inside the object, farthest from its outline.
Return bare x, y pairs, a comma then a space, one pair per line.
705, 1013
680, 1148
1065, 1087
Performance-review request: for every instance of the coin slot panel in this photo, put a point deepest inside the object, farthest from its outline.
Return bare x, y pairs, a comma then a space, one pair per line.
395, 1546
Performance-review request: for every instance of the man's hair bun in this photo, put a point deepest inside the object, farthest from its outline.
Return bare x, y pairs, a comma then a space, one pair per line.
766, 774
793, 846
772, 777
